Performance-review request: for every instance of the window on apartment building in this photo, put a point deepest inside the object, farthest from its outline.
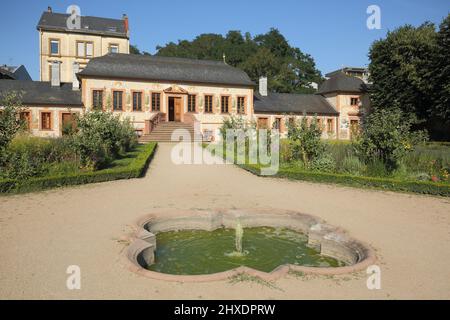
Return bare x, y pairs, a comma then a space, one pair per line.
85, 49
156, 101
224, 102
46, 121
354, 101
118, 100
113, 48
241, 105
54, 47
137, 101
97, 99
191, 102
208, 103
330, 125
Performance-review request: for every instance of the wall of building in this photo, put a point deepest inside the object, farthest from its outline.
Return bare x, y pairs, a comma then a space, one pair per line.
327, 133
348, 114
68, 51
56, 112
208, 121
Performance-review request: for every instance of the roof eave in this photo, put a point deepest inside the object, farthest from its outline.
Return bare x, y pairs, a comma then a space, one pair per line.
88, 32
81, 75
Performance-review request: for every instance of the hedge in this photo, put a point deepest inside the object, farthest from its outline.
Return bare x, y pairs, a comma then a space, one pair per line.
135, 169
423, 187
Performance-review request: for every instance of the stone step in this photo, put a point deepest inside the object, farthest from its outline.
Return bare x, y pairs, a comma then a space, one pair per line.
163, 132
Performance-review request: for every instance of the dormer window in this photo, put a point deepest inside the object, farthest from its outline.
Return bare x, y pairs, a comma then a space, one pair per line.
354, 101
113, 48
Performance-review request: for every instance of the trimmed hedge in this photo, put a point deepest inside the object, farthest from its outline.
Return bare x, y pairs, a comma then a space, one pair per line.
423, 187
135, 169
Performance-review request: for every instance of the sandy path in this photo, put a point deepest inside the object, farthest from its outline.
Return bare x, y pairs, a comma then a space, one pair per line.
42, 233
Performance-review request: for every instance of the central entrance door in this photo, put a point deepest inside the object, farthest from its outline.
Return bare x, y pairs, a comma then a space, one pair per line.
175, 106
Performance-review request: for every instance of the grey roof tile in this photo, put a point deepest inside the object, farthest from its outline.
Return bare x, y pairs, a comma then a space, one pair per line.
91, 25
166, 69
42, 93
342, 83
280, 103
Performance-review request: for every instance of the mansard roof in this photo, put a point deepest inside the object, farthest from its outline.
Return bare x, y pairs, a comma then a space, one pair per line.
169, 69
42, 93
341, 82
52, 21
288, 103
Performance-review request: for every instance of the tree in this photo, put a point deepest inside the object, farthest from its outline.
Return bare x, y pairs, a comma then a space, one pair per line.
401, 69
135, 50
10, 122
410, 68
440, 111
304, 137
288, 69
386, 135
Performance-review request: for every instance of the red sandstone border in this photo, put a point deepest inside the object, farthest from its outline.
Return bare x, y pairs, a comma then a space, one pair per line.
280, 271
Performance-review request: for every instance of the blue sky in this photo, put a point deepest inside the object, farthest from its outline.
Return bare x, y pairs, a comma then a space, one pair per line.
333, 32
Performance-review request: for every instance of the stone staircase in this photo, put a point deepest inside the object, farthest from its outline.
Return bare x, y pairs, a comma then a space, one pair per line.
163, 132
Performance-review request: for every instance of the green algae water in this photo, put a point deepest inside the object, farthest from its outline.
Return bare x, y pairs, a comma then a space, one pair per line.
191, 252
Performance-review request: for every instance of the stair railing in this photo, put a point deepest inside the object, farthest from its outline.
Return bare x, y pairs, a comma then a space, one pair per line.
154, 120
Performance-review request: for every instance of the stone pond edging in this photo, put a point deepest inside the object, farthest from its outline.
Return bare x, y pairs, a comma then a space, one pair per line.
329, 240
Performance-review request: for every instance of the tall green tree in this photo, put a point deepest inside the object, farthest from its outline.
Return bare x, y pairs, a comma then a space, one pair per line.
135, 50
401, 69
440, 111
288, 69
410, 68
10, 122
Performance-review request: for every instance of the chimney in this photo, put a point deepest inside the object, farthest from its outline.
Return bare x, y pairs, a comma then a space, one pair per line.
263, 86
49, 9
125, 22
75, 82
55, 80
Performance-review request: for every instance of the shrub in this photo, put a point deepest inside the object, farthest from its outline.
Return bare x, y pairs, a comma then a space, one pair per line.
28, 156
376, 168
340, 150
101, 137
386, 135
352, 165
286, 154
134, 169
10, 122
305, 139
324, 163
232, 122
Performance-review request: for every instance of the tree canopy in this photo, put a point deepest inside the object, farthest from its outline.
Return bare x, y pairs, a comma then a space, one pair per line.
410, 69
288, 69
